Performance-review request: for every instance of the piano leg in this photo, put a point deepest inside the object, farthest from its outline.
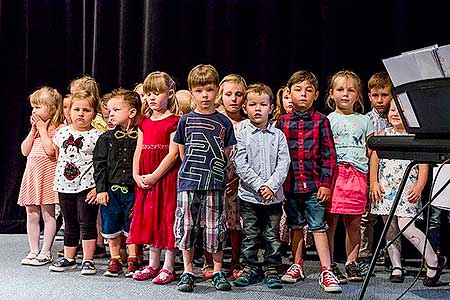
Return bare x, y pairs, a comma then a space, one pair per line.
385, 229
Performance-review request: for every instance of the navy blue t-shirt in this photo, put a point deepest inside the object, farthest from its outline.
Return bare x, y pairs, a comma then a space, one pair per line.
204, 137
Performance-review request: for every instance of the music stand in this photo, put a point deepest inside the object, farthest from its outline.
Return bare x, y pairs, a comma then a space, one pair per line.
424, 107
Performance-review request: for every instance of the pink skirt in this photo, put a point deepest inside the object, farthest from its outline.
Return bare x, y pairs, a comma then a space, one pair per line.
349, 193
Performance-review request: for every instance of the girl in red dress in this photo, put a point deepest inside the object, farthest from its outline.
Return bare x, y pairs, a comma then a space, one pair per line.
155, 168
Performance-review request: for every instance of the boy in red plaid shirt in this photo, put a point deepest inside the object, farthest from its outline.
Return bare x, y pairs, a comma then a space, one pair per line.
307, 186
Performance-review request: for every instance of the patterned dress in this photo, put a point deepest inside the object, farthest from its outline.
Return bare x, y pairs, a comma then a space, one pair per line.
390, 174
37, 180
154, 209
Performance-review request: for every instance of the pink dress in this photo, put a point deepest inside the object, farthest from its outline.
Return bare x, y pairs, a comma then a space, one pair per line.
153, 213
37, 180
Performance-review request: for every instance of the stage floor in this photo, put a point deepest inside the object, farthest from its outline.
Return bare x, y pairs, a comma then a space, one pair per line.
25, 282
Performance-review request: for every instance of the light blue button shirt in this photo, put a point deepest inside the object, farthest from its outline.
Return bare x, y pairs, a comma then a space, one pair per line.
262, 159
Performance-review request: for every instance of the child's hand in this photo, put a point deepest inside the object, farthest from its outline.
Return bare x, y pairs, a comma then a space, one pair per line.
102, 198
149, 180
41, 125
376, 191
323, 194
232, 186
140, 181
91, 196
33, 119
266, 193
414, 194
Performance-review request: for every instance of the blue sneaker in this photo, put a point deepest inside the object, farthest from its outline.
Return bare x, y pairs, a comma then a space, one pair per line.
186, 283
247, 277
220, 282
272, 280
62, 265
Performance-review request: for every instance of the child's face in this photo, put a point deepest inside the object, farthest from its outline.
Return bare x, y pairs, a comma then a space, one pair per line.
303, 94
140, 91
204, 97
120, 112
44, 112
287, 101
394, 117
158, 101
81, 114
344, 94
380, 98
258, 109
233, 97
66, 109
105, 115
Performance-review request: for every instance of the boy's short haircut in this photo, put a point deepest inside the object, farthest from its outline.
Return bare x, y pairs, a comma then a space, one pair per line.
131, 98
301, 76
380, 80
202, 75
258, 88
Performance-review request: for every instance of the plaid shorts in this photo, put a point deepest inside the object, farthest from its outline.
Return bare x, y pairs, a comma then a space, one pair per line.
196, 209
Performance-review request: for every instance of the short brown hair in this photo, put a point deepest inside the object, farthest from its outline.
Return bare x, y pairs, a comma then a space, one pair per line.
202, 75
379, 80
258, 88
301, 76
129, 97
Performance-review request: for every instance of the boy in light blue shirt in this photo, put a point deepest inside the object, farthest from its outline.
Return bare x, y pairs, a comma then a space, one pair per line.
262, 162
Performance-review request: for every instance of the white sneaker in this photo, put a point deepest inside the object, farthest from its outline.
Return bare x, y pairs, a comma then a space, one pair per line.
328, 281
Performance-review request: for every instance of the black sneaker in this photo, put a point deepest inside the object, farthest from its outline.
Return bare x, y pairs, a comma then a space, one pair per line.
272, 280
364, 265
247, 277
186, 283
433, 281
88, 268
339, 275
63, 264
220, 282
353, 272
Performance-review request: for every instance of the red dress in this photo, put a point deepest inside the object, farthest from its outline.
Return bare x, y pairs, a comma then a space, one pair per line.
154, 208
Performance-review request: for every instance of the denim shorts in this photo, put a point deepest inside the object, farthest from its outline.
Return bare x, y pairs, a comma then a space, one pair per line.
304, 209
116, 217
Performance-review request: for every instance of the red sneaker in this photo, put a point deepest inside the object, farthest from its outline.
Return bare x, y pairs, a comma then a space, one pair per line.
294, 273
328, 281
132, 266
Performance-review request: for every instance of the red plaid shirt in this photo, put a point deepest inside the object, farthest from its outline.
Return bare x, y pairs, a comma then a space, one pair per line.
311, 146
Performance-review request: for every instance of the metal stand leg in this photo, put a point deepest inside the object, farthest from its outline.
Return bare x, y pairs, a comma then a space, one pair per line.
386, 227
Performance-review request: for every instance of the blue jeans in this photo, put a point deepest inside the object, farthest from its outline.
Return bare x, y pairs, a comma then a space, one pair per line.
304, 209
261, 223
116, 215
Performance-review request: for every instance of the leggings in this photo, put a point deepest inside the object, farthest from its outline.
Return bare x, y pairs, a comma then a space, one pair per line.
78, 216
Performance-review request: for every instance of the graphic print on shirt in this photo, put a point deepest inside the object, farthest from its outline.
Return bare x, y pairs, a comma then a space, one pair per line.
202, 147
72, 148
346, 135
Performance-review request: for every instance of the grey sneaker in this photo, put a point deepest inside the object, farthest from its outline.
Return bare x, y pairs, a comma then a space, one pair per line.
186, 283
88, 268
220, 282
63, 264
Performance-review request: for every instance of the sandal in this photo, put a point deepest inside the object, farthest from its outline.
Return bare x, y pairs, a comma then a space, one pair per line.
433, 281
207, 271
397, 278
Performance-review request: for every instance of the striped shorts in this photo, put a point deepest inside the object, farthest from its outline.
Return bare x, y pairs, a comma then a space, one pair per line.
197, 209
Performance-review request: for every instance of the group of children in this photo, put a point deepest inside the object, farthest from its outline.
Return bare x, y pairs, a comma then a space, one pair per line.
169, 169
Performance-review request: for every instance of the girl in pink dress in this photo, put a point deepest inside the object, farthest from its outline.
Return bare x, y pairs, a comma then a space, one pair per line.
155, 168
36, 190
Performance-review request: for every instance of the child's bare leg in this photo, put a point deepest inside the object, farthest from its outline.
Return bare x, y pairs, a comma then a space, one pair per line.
155, 258
332, 220
114, 246
33, 229
218, 259
169, 259
321, 241
88, 249
297, 243
188, 255
352, 236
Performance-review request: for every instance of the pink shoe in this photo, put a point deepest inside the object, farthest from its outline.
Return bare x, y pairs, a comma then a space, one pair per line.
207, 271
145, 274
165, 276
